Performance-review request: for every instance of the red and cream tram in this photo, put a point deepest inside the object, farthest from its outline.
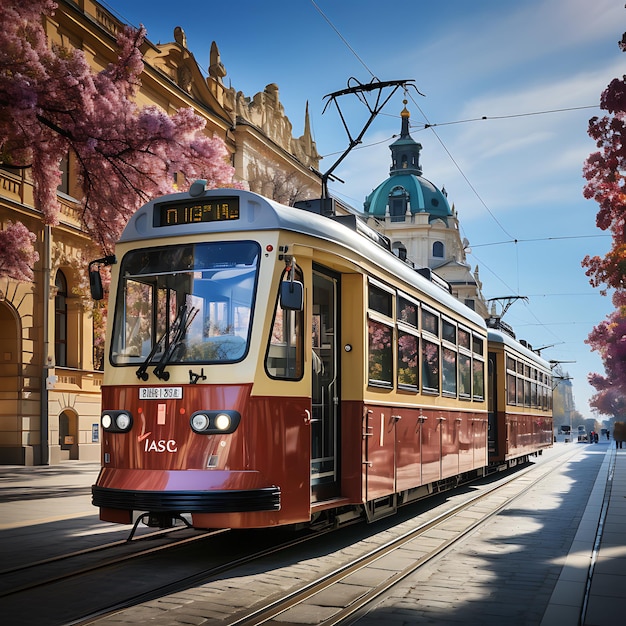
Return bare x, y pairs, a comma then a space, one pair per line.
268, 365
520, 399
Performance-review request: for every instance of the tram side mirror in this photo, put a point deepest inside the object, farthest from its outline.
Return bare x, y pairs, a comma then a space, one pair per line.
95, 280
95, 284
292, 295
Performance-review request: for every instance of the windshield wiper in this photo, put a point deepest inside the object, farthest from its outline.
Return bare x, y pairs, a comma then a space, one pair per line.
142, 369
142, 372
179, 329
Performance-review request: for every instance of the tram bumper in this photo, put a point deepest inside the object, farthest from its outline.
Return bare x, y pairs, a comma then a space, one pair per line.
119, 492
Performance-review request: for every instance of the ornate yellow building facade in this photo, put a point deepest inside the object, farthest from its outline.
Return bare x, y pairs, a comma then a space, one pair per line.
49, 386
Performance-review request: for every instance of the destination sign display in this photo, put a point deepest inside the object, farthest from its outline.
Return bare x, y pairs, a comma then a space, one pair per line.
196, 210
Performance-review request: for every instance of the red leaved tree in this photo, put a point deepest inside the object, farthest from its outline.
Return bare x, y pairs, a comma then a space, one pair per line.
52, 104
605, 172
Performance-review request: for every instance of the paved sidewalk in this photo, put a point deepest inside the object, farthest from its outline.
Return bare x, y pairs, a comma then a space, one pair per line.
592, 583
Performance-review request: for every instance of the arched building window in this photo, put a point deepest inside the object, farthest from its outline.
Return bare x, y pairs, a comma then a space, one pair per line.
398, 202
438, 250
60, 320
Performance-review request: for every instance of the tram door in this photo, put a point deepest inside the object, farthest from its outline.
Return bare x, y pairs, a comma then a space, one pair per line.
492, 404
325, 388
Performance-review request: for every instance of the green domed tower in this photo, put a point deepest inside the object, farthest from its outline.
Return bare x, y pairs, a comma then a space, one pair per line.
420, 223
406, 191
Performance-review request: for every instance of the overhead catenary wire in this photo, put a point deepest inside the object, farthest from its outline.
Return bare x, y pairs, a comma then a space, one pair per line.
431, 126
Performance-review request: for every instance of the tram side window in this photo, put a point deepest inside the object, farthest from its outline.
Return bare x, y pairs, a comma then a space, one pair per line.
511, 391
285, 353
448, 332
380, 300
430, 322
408, 343
380, 357
430, 367
449, 358
547, 398
380, 335
465, 364
448, 371
477, 345
408, 360
478, 368
407, 311
520, 392
465, 376
479, 379
464, 339
431, 357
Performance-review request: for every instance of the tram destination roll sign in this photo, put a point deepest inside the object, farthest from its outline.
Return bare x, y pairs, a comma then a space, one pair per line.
196, 210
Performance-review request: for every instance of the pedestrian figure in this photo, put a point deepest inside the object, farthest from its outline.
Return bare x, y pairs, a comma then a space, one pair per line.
619, 433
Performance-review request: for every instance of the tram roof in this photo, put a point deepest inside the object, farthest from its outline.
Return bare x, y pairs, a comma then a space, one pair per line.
259, 213
501, 337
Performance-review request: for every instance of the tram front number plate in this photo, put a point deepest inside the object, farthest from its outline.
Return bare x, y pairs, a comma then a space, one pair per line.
160, 393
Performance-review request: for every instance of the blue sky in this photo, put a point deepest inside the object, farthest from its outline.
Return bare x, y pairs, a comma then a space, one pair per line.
532, 68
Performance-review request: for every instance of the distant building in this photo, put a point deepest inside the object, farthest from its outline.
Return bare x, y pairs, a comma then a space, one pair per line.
418, 219
49, 385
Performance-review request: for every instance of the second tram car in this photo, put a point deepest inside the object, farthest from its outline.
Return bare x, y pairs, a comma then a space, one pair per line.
520, 400
268, 365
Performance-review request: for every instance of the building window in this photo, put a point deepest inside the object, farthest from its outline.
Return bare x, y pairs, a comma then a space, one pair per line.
398, 202
438, 250
60, 321
64, 167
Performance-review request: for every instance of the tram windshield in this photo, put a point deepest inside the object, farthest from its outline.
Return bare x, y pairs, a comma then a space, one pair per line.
185, 304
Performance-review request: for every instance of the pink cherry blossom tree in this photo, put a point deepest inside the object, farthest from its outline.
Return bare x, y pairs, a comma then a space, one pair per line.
17, 255
52, 104
606, 184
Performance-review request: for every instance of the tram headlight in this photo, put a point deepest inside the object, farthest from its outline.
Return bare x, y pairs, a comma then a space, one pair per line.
116, 421
200, 422
214, 422
222, 421
123, 421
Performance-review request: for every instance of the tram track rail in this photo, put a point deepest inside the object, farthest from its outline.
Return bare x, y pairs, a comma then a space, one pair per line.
91, 550
49, 584
109, 562
296, 597
402, 549
189, 572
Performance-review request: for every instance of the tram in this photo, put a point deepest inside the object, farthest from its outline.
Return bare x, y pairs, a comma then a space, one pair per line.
268, 365
520, 400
